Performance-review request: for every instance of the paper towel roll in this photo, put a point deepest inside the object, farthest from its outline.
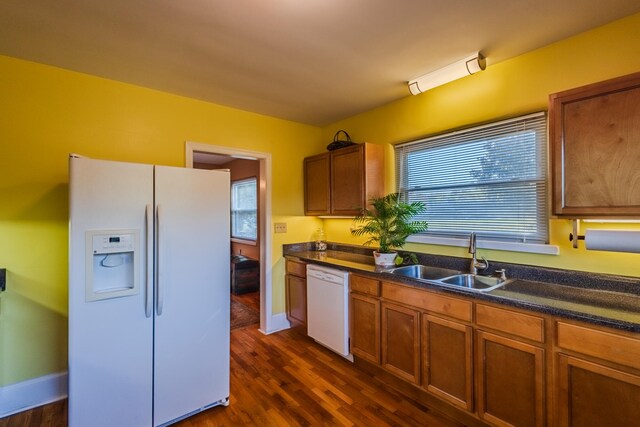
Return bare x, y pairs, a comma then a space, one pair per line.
612, 240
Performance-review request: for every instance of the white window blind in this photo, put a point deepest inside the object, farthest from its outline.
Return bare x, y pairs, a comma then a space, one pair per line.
244, 209
488, 179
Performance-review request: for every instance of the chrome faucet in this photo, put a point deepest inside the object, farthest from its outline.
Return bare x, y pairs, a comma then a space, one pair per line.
475, 265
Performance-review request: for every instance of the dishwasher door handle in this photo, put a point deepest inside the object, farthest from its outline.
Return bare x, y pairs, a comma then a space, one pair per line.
326, 277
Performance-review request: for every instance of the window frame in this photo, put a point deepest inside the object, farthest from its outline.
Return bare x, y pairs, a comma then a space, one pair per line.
473, 135
233, 211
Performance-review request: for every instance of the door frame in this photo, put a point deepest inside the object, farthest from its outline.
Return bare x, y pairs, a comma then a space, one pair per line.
267, 323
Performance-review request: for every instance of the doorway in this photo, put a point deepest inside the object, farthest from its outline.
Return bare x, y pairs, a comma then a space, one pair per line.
200, 155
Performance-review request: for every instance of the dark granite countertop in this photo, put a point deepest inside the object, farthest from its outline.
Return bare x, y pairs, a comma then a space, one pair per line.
606, 300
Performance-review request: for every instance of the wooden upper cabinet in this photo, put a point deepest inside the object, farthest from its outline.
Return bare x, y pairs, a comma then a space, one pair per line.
595, 149
356, 176
341, 182
317, 199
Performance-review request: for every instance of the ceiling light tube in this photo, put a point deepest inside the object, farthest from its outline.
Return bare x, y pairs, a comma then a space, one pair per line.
465, 67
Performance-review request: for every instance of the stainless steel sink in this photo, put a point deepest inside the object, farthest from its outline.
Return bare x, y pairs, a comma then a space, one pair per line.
423, 272
474, 282
450, 278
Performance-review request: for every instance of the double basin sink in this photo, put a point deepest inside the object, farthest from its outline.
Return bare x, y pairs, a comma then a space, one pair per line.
450, 278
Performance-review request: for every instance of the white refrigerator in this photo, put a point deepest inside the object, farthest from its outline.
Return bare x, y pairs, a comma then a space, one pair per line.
148, 293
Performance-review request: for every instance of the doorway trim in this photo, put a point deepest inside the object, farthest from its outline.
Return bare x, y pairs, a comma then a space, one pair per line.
268, 323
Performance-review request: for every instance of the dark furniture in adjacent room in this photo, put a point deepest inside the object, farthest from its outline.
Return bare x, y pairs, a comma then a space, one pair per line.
245, 275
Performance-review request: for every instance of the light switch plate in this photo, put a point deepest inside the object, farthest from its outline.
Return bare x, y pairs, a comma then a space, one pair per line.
279, 227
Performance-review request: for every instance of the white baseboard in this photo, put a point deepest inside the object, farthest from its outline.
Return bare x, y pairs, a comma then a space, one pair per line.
32, 393
278, 322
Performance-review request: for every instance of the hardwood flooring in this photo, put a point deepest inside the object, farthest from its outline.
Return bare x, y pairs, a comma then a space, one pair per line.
286, 379
251, 300
52, 415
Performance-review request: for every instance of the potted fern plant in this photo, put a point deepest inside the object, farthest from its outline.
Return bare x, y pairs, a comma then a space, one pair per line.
388, 223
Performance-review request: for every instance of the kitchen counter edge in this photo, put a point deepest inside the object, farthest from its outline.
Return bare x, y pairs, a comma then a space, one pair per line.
562, 307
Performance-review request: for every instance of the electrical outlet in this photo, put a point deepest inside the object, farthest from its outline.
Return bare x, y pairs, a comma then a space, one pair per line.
280, 227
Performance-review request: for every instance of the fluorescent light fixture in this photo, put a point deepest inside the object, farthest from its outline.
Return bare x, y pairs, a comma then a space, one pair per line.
465, 67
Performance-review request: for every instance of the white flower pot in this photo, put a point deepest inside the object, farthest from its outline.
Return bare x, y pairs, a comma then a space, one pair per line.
385, 260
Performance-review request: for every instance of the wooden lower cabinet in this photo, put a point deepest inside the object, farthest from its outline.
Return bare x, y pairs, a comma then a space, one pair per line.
296, 300
296, 294
447, 360
593, 395
597, 376
492, 364
510, 377
401, 341
365, 327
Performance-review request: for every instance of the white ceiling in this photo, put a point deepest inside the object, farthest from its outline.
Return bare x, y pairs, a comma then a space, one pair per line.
311, 61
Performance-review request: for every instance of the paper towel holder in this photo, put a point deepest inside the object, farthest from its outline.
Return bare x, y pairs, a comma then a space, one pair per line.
575, 236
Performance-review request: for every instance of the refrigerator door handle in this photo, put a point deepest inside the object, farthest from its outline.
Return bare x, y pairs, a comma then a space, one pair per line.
148, 298
159, 235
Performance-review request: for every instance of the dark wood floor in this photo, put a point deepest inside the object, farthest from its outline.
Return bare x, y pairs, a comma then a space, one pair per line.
251, 300
53, 415
286, 379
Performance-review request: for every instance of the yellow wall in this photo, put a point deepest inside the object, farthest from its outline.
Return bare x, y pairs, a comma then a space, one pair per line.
47, 113
507, 89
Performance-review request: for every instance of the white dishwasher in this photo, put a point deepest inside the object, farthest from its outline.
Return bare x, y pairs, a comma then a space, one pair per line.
328, 308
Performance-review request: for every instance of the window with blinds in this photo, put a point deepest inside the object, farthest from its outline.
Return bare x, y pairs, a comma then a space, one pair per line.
488, 179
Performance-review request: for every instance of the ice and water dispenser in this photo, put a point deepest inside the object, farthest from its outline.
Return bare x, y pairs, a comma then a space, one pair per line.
112, 264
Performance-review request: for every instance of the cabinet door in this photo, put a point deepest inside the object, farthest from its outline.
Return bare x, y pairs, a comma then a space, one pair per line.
510, 381
447, 360
365, 327
296, 300
590, 394
316, 185
296, 268
347, 181
594, 133
401, 341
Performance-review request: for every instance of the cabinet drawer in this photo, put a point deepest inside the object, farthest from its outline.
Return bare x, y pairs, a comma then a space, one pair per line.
296, 268
510, 322
364, 285
604, 345
429, 301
